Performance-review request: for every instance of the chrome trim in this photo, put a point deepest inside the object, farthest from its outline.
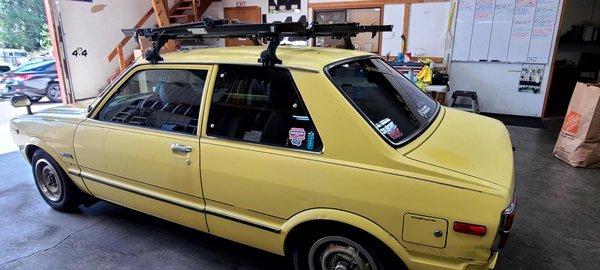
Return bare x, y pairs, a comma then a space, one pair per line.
180, 148
101, 180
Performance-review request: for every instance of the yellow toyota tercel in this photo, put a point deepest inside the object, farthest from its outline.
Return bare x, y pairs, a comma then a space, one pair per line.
333, 158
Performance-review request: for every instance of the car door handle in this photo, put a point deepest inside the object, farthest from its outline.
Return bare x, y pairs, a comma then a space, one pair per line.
180, 148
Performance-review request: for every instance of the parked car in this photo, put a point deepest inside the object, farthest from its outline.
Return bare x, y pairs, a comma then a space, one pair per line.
334, 158
36, 81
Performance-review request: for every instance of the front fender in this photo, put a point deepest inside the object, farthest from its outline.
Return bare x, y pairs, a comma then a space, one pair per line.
34, 143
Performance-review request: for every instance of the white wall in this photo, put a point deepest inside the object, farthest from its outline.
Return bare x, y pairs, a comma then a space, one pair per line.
497, 84
98, 33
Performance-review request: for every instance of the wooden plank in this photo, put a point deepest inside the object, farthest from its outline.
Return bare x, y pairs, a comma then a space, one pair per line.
405, 27
160, 13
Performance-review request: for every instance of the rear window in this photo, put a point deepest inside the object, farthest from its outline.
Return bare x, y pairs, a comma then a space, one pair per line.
392, 104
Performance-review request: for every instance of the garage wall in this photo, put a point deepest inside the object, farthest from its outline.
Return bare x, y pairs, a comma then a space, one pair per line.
96, 27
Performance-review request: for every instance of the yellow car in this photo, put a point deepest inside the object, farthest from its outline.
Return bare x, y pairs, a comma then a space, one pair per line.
332, 158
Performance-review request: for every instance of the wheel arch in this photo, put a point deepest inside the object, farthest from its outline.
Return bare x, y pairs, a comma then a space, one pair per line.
307, 220
34, 144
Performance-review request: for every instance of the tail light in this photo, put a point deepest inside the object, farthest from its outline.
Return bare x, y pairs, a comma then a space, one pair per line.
506, 223
473, 229
22, 77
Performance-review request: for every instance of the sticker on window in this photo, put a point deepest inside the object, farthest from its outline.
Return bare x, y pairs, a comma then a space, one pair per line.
387, 127
297, 136
424, 110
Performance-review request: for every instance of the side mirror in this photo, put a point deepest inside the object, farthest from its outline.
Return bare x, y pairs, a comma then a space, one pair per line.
21, 101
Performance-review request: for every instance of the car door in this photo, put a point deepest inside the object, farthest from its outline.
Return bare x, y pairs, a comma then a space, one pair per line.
140, 146
259, 144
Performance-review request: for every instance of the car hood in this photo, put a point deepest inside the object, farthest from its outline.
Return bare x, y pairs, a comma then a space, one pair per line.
470, 144
72, 113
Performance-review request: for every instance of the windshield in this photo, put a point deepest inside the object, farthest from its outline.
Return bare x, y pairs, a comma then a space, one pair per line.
394, 106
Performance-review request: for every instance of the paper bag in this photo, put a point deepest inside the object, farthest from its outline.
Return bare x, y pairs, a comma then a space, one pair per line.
579, 139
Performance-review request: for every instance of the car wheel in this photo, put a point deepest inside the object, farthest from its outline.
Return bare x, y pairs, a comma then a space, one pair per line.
34, 99
343, 250
53, 183
53, 92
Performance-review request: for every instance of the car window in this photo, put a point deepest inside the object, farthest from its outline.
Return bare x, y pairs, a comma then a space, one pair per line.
51, 67
394, 106
260, 105
39, 66
164, 99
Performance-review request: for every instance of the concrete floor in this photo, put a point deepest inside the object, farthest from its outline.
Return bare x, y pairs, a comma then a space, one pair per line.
558, 218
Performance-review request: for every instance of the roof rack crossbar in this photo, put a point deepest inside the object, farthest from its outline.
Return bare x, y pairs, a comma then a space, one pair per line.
272, 32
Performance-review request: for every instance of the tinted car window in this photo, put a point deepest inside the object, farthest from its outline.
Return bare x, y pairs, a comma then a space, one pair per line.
393, 105
260, 105
159, 99
40, 66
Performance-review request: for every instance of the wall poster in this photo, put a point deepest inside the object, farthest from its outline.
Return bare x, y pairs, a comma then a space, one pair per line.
531, 77
284, 6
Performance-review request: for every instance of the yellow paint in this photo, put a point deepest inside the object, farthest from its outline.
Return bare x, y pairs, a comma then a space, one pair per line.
459, 169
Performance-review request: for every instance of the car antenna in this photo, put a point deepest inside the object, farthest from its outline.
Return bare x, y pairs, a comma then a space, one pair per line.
272, 32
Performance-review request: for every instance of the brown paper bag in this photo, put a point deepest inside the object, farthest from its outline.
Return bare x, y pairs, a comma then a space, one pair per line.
579, 139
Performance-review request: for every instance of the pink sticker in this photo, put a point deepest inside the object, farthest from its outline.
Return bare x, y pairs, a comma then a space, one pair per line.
296, 136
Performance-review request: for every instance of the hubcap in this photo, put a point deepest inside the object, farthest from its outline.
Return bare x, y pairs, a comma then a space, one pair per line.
339, 253
55, 92
48, 180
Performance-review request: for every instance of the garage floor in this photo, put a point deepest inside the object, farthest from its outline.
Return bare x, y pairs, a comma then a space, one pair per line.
558, 219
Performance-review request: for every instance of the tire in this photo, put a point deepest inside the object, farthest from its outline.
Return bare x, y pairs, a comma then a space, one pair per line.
54, 185
53, 92
342, 249
35, 99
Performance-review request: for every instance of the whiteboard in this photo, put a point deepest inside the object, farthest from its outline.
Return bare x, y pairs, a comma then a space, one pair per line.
542, 31
428, 29
520, 35
482, 28
501, 28
514, 31
391, 42
463, 30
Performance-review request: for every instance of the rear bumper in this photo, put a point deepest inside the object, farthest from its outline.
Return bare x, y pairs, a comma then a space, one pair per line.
441, 263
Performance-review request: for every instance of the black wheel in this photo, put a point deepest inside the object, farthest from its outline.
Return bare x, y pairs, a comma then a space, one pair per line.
34, 99
343, 250
53, 92
53, 183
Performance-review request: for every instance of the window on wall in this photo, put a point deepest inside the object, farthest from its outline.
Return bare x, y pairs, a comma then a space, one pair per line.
164, 99
364, 16
260, 105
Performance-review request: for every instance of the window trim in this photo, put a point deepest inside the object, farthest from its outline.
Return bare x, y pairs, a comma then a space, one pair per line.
258, 144
112, 89
404, 141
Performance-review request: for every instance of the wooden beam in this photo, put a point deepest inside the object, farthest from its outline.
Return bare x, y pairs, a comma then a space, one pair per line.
405, 27
124, 41
161, 13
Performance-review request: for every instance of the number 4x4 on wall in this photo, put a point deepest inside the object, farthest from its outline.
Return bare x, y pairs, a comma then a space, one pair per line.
80, 51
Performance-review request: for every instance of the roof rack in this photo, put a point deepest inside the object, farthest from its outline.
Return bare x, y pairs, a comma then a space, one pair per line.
272, 32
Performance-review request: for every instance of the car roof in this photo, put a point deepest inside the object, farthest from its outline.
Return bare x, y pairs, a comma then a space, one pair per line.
292, 56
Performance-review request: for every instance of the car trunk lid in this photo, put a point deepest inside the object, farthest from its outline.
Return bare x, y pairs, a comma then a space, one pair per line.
470, 144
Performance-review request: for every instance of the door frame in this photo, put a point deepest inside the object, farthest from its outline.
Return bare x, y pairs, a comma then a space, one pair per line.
245, 9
